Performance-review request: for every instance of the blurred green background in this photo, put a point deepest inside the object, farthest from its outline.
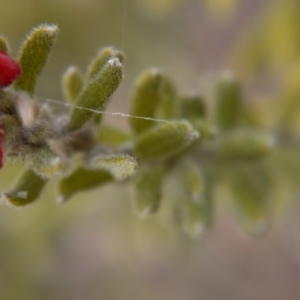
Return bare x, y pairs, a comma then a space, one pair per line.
94, 247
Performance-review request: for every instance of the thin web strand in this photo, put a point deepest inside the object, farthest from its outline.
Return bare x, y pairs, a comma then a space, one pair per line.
123, 24
106, 112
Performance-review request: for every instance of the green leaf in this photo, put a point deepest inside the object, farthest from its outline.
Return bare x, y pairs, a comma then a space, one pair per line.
250, 190
27, 189
169, 104
192, 106
244, 145
228, 102
195, 201
154, 97
80, 180
72, 83
145, 100
46, 163
102, 57
165, 140
194, 217
148, 189
193, 179
96, 93
34, 54
112, 136
120, 167
206, 130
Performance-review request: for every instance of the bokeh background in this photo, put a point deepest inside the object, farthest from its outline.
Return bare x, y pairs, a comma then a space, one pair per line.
95, 247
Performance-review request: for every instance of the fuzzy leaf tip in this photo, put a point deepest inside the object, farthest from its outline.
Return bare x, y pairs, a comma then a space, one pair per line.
165, 139
120, 167
72, 83
26, 190
34, 55
96, 93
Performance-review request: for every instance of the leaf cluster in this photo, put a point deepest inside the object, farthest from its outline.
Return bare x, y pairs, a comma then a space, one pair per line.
172, 133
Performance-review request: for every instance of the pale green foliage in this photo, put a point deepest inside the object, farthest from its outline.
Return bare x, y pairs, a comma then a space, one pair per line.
228, 101
26, 190
148, 190
48, 164
102, 57
252, 194
165, 140
193, 180
119, 166
147, 96
96, 93
72, 83
174, 138
272, 44
112, 136
244, 145
192, 106
45, 141
79, 180
34, 55
194, 198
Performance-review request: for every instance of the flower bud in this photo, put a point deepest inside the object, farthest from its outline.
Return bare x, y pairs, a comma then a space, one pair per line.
9, 70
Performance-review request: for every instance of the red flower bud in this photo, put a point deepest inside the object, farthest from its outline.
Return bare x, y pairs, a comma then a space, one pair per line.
9, 70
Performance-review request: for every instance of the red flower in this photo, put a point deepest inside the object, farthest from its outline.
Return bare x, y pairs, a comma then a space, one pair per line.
9, 70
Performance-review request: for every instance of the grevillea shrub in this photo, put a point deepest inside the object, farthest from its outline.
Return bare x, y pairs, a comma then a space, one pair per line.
175, 136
